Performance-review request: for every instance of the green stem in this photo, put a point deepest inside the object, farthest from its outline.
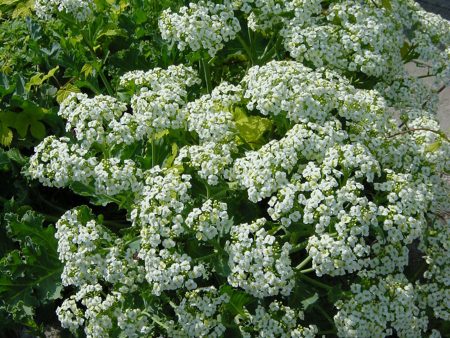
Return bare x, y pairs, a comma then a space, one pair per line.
206, 74
105, 81
307, 270
153, 153
325, 314
299, 247
99, 70
246, 48
314, 282
303, 263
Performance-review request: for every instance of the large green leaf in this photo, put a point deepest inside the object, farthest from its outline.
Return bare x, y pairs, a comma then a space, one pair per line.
30, 275
251, 128
28, 116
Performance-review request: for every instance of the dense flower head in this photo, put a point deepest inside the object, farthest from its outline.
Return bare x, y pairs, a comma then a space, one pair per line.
81, 10
203, 25
259, 264
379, 308
276, 320
251, 181
198, 314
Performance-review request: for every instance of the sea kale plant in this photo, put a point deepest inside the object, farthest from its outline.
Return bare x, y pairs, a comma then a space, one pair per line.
282, 176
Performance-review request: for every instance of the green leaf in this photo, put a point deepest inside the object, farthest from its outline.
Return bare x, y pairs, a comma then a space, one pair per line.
306, 303
15, 156
40, 78
30, 275
6, 135
65, 91
386, 4
169, 160
250, 128
238, 299
37, 129
111, 32
87, 70
433, 147
28, 116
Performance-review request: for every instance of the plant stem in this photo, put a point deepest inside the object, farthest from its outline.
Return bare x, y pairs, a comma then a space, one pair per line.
302, 264
314, 282
307, 270
246, 48
325, 314
206, 74
299, 247
419, 129
153, 153
105, 82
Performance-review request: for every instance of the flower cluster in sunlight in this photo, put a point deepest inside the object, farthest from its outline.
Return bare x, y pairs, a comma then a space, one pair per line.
245, 199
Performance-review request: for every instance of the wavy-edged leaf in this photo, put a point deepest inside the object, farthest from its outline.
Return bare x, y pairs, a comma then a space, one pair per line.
30, 275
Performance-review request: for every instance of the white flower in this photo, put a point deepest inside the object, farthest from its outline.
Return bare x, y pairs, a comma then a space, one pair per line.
81, 10
203, 25
259, 264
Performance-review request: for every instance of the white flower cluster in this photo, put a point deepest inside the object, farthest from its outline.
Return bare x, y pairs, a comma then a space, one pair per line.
81, 10
102, 314
89, 119
210, 116
379, 308
92, 256
258, 263
341, 207
262, 14
267, 170
159, 216
203, 25
276, 320
209, 221
304, 95
157, 78
421, 151
409, 95
212, 160
79, 239
355, 36
198, 315
113, 177
158, 98
434, 290
157, 108
431, 39
56, 163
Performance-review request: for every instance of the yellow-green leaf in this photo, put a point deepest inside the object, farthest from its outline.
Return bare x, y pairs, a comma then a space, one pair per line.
169, 160
40, 78
6, 136
111, 32
250, 128
160, 134
65, 91
434, 146
386, 4
87, 70
23, 9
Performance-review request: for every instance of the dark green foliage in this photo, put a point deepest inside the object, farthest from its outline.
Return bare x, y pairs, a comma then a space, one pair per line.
29, 270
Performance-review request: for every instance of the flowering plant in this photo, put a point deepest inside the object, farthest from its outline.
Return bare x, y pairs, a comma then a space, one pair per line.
267, 186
